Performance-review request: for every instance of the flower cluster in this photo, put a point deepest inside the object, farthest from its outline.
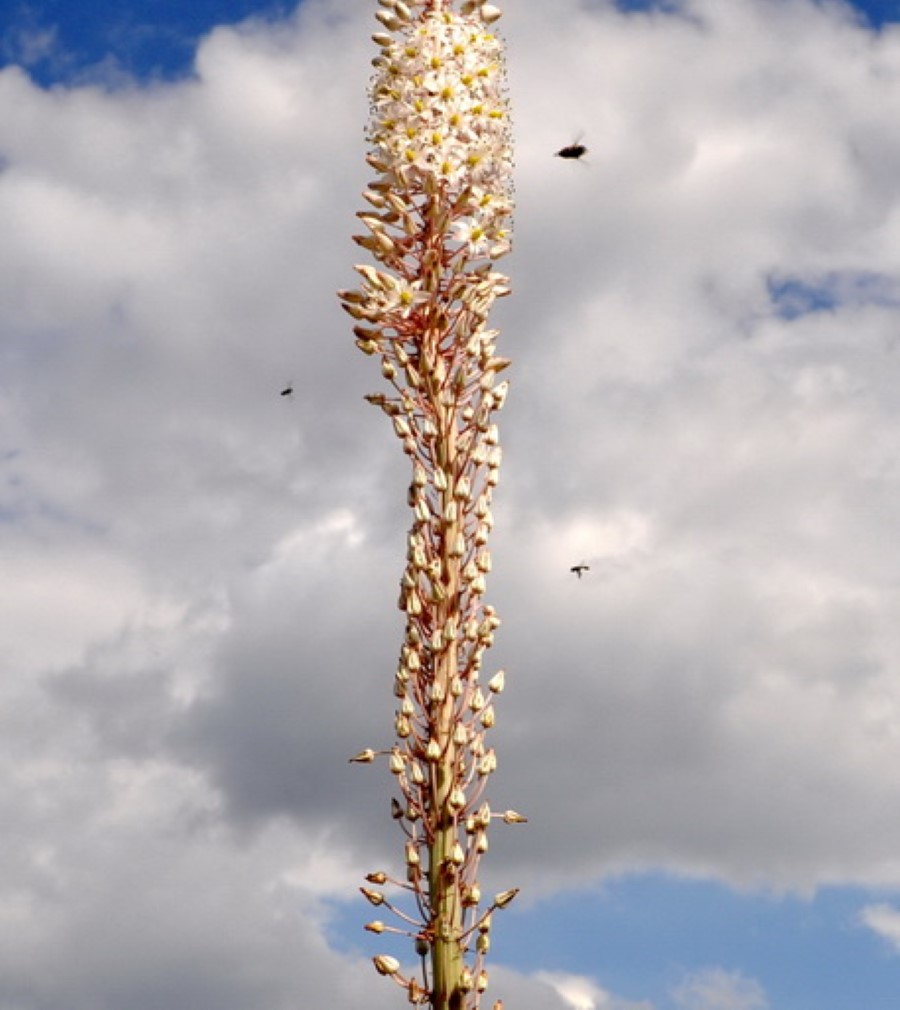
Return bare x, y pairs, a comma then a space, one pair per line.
440, 216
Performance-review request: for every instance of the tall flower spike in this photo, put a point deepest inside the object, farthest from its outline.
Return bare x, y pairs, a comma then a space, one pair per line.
439, 215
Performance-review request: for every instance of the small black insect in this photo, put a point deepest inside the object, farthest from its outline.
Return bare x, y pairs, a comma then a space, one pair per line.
572, 151
287, 391
579, 570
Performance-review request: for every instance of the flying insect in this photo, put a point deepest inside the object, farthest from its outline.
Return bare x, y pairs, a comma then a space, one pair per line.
287, 391
573, 152
579, 570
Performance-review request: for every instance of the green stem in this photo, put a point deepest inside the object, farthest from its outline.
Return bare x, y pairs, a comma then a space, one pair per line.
444, 886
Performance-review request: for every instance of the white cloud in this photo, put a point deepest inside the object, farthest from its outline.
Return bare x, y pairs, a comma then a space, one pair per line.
884, 920
577, 991
717, 989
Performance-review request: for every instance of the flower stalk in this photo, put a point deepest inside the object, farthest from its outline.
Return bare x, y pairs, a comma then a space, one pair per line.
440, 216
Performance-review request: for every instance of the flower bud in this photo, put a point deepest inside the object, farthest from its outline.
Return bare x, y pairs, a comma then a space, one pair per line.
511, 817
386, 965
388, 20
488, 764
505, 897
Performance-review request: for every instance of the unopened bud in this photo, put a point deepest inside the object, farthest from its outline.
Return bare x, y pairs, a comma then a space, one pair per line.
386, 965
497, 682
375, 898
364, 757
505, 897
389, 21
488, 764
511, 817
374, 927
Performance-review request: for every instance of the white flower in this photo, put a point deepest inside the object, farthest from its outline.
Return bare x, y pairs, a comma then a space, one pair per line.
471, 234
439, 107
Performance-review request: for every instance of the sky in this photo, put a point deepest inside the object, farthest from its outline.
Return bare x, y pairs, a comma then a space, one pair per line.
199, 575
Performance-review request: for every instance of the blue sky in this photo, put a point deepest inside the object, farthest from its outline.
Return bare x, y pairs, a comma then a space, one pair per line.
149, 39
643, 934
157, 38
705, 732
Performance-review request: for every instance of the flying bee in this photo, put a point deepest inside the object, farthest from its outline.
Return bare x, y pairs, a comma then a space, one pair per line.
288, 390
579, 570
573, 152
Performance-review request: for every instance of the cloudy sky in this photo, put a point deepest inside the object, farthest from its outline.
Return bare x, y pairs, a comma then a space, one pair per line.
197, 604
